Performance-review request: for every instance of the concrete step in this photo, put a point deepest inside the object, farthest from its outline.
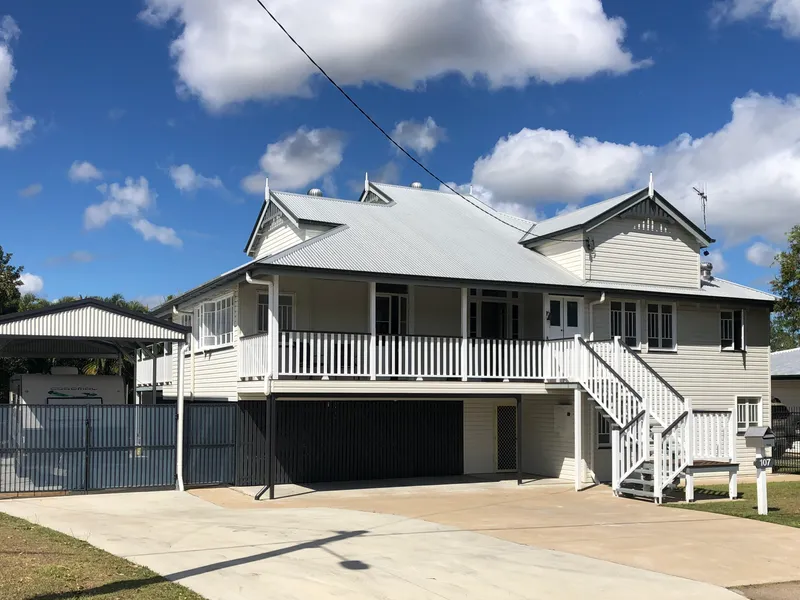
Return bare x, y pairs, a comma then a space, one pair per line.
638, 493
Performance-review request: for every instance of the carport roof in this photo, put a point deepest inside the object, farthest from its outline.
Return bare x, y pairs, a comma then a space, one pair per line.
87, 327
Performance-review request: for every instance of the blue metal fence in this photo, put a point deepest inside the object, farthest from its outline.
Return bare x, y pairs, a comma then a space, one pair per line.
46, 448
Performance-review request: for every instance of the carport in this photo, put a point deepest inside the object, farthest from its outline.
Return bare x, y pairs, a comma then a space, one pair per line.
91, 328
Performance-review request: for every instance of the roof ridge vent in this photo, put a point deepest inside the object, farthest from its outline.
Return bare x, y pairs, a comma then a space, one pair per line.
705, 271
314, 192
416, 185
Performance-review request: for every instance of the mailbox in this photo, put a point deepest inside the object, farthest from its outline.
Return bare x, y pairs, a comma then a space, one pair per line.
759, 437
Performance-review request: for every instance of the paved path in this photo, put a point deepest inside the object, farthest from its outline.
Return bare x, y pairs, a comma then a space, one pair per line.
320, 553
717, 549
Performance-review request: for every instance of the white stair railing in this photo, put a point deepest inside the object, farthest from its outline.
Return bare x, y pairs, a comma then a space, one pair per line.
714, 435
672, 452
633, 446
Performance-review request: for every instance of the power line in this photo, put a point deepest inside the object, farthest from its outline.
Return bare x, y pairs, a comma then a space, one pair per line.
381, 129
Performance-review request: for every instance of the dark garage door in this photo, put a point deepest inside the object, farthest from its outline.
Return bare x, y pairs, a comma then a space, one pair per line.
320, 441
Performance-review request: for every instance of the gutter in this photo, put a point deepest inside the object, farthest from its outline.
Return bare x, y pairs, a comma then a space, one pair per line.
591, 313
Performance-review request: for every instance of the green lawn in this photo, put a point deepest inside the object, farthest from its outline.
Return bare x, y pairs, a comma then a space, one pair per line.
783, 501
37, 563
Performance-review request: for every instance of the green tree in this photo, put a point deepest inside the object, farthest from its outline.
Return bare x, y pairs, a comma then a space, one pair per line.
9, 284
786, 285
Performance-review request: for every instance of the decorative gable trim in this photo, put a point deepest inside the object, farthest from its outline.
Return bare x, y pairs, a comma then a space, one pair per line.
271, 215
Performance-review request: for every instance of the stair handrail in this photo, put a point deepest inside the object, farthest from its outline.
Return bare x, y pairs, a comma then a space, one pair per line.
671, 453
632, 421
651, 369
631, 447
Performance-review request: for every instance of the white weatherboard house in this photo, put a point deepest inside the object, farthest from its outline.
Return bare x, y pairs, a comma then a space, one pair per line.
417, 332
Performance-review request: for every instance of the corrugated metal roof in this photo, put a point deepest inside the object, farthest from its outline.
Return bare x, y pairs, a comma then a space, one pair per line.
717, 288
92, 319
575, 218
423, 233
785, 363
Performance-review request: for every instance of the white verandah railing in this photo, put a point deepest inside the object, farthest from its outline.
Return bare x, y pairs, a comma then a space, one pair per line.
144, 371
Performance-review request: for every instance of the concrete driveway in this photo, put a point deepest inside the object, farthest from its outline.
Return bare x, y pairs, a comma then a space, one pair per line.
717, 549
227, 553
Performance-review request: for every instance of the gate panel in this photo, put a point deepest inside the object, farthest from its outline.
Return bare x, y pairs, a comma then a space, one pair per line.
131, 446
252, 444
786, 426
210, 446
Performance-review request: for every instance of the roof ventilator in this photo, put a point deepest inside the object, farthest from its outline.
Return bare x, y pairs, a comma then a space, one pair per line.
416, 185
315, 192
705, 271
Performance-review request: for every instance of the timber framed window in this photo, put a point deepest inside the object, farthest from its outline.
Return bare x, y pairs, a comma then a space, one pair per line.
286, 312
731, 327
661, 326
215, 321
625, 321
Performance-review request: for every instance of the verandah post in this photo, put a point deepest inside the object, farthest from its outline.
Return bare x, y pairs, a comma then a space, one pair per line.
372, 341
464, 332
615, 458
181, 419
658, 475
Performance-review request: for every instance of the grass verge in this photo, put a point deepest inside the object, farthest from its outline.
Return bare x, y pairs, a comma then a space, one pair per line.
783, 501
37, 563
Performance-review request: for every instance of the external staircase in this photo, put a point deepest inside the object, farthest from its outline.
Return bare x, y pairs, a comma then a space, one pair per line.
657, 437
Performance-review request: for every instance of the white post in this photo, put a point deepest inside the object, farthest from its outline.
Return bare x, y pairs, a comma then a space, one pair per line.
690, 449
155, 372
274, 327
576, 362
464, 332
733, 431
181, 420
373, 342
689, 486
617, 355
761, 483
615, 457
136, 399
733, 485
578, 411
658, 488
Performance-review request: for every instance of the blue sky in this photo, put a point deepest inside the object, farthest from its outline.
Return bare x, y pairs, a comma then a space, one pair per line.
135, 134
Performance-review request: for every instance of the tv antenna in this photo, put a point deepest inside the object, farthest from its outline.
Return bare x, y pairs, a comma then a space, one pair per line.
703, 202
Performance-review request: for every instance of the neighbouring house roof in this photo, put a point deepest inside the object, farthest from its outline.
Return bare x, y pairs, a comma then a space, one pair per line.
785, 363
599, 211
421, 233
716, 288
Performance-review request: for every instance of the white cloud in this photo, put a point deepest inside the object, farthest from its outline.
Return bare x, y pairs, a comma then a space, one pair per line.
149, 231
83, 171
762, 254
151, 301
751, 167
186, 179
11, 130
717, 259
129, 201
780, 14
228, 52
422, 137
31, 284
32, 190
541, 165
77, 256
298, 160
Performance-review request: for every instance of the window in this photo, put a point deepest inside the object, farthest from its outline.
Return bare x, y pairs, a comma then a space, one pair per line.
473, 319
285, 312
603, 432
555, 313
732, 329
748, 411
215, 319
572, 313
186, 320
515, 321
661, 326
624, 322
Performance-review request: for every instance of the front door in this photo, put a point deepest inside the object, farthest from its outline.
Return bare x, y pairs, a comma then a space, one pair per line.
493, 320
506, 438
563, 318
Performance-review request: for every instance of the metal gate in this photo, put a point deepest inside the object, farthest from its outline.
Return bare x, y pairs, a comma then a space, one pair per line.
47, 448
786, 426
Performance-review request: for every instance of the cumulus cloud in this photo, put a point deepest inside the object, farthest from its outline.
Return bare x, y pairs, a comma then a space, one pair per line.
12, 129
228, 52
82, 171
761, 254
298, 160
751, 167
186, 179
420, 136
31, 284
163, 235
129, 201
536, 166
780, 14
717, 258
32, 190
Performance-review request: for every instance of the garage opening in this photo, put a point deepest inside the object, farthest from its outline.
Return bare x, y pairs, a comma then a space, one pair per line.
356, 440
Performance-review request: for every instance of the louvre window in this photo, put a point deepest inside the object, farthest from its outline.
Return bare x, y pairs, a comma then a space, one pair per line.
624, 322
661, 326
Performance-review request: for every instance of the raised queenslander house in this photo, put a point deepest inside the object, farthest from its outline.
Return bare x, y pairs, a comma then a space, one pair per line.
422, 333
